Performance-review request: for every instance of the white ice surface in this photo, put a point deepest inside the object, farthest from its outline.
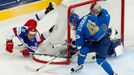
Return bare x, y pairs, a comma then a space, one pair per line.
13, 64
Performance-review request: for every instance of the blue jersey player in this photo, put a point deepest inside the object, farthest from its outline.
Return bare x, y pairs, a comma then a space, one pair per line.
103, 17
103, 20
90, 38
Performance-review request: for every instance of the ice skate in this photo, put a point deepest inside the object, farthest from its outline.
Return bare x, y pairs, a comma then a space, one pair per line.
77, 68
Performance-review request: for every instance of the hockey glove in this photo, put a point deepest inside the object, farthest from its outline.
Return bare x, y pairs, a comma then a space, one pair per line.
9, 46
25, 52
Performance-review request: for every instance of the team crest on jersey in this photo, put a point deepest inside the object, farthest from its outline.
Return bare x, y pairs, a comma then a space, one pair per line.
92, 27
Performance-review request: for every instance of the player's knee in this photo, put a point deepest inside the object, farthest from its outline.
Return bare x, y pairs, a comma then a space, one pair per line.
82, 55
101, 55
81, 58
100, 61
83, 51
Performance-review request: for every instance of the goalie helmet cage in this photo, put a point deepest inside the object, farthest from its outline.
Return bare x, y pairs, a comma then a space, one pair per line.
71, 4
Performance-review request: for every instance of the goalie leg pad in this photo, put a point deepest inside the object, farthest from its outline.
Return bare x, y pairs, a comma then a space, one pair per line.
118, 47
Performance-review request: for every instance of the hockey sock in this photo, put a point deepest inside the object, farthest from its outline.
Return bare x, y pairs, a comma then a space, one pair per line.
105, 65
81, 59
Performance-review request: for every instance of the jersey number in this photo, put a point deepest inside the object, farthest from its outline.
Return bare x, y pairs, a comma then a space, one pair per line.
92, 27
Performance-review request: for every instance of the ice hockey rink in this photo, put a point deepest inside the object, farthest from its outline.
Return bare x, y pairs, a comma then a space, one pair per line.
14, 64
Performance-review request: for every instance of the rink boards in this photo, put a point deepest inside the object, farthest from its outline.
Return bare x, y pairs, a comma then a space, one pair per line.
13, 8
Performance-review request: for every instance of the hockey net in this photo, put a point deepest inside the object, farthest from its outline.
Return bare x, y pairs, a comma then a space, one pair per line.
62, 27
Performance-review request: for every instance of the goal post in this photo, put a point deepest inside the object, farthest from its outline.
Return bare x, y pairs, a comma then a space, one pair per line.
122, 20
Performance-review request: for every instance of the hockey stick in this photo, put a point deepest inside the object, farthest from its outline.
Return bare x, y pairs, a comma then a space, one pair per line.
20, 44
58, 45
53, 46
37, 53
41, 54
39, 68
57, 55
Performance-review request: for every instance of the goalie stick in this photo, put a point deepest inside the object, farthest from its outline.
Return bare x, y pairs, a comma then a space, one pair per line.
55, 56
58, 45
42, 54
53, 46
39, 68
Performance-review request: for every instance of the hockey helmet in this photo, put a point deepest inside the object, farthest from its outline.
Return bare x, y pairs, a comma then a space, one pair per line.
31, 23
74, 18
95, 7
